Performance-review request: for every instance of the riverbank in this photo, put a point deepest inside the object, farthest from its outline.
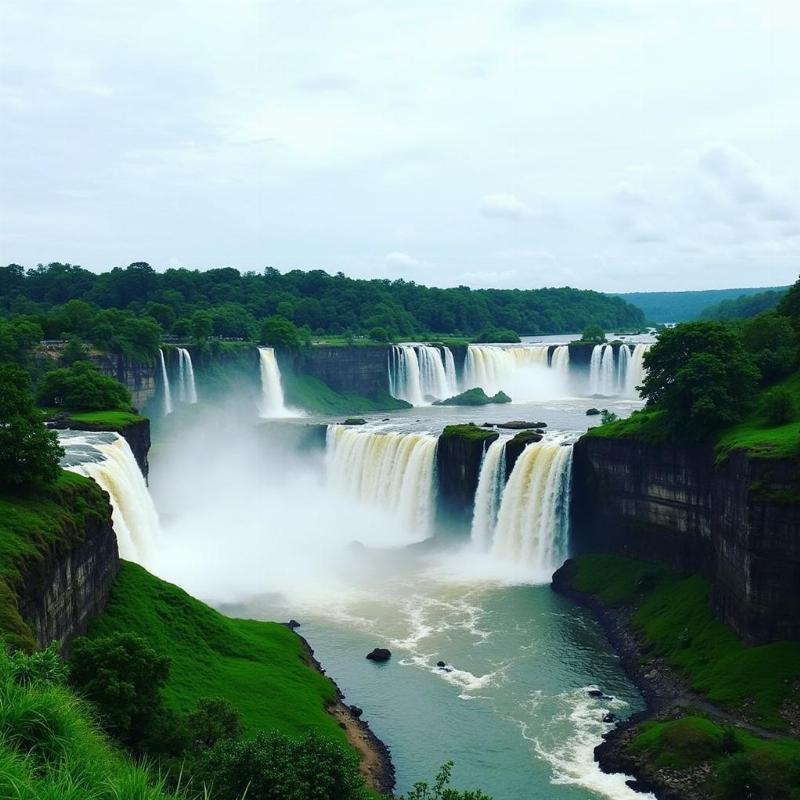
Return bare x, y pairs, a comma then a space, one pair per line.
680, 746
376, 760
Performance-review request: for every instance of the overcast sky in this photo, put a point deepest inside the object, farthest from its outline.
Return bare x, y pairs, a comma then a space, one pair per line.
607, 144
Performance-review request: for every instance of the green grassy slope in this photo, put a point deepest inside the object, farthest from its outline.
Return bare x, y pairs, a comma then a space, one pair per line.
33, 524
260, 667
312, 394
673, 616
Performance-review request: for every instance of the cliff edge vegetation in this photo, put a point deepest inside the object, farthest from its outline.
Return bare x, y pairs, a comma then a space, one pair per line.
722, 718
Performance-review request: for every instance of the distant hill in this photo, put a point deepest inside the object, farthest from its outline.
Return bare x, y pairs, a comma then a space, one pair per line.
746, 305
684, 306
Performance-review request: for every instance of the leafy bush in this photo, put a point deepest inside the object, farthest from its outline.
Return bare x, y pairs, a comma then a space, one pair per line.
778, 406
498, 336
274, 767
607, 417
41, 666
123, 676
280, 332
213, 720
74, 350
379, 335
82, 387
441, 789
593, 333
29, 453
772, 342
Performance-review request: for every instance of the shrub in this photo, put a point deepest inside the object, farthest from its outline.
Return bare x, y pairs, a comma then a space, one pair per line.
41, 666
29, 453
213, 720
735, 778
123, 676
273, 767
73, 351
280, 332
379, 335
498, 336
607, 417
778, 406
441, 789
82, 387
593, 333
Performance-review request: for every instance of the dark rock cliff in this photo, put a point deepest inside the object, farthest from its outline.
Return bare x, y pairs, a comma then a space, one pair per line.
738, 523
458, 465
69, 584
138, 376
360, 370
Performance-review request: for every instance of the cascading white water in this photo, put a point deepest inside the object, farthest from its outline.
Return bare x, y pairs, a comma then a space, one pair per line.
533, 521
187, 390
623, 364
272, 404
107, 458
165, 384
419, 372
522, 372
601, 371
491, 482
559, 360
391, 471
636, 370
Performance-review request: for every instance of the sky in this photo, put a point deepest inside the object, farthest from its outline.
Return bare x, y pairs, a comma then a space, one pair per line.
617, 145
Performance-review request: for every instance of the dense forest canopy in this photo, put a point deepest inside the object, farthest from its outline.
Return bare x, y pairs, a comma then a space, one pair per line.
685, 306
227, 303
744, 306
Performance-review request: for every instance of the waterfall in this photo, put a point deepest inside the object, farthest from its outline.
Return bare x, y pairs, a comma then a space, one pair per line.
601, 371
187, 391
533, 520
271, 389
491, 482
559, 361
165, 384
636, 370
107, 458
418, 372
391, 471
522, 372
623, 365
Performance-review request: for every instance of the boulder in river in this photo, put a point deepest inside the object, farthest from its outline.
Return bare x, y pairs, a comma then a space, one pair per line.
592, 412
379, 654
519, 425
292, 623
355, 421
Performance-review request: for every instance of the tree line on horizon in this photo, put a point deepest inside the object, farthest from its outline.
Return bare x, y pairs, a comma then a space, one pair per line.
229, 304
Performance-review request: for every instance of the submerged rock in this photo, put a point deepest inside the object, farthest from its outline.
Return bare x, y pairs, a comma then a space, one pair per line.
357, 712
599, 695
379, 654
355, 421
518, 425
441, 664
592, 412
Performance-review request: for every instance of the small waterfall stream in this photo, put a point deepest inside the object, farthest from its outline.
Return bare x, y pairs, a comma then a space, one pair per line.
165, 384
107, 458
524, 372
419, 372
525, 520
187, 390
272, 404
601, 371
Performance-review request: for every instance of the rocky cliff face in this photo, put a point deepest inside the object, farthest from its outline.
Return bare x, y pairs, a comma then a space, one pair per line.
61, 591
458, 466
360, 370
738, 523
139, 377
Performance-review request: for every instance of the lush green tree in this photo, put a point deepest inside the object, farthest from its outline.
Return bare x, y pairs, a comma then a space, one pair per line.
789, 305
440, 790
280, 332
18, 337
273, 767
498, 335
213, 720
772, 341
82, 387
380, 335
29, 452
162, 313
701, 375
74, 350
593, 333
202, 326
123, 676
778, 406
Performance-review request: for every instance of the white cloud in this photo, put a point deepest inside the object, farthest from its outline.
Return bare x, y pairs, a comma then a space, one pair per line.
504, 206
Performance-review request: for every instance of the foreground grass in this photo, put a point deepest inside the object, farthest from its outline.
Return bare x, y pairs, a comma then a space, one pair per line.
115, 419
34, 524
312, 394
260, 667
51, 749
673, 616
